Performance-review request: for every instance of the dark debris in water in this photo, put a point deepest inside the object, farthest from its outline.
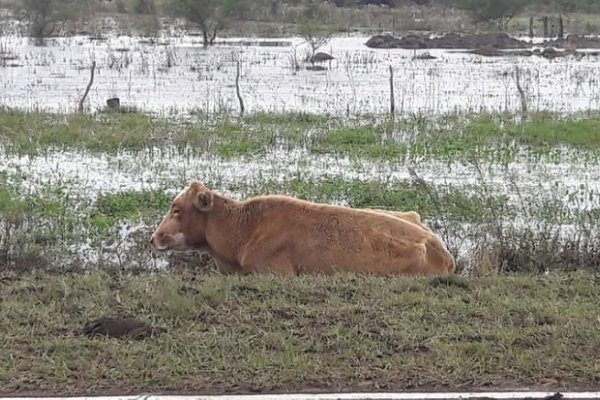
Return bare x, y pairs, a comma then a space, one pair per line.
120, 328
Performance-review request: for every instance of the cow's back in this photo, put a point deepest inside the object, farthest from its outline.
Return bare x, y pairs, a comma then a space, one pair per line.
324, 238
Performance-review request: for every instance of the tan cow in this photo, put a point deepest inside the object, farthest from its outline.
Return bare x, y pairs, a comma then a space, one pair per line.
410, 216
287, 236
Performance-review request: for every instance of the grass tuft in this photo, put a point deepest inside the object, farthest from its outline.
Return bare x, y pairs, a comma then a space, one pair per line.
448, 281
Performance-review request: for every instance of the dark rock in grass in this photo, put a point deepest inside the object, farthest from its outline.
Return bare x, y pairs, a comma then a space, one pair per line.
321, 57
114, 103
550, 53
120, 328
424, 56
450, 280
316, 68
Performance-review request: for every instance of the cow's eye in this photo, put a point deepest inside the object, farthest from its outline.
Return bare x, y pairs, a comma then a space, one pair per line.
176, 212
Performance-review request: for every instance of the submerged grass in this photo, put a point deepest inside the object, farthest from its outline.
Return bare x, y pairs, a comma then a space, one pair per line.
63, 233
456, 205
453, 136
44, 225
264, 334
111, 208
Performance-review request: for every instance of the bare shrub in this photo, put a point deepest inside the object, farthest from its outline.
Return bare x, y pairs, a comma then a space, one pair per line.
501, 11
43, 15
144, 7
315, 36
211, 15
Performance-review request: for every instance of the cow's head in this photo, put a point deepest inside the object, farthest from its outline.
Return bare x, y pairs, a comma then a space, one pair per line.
183, 228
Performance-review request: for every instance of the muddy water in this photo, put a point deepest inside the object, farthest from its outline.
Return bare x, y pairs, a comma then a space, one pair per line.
176, 75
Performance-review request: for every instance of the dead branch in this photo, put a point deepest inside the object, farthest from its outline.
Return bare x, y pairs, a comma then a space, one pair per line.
520, 89
392, 101
237, 88
87, 89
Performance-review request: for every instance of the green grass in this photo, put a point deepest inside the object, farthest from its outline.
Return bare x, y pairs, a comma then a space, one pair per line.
260, 333
548, 132
28, 131
111, 208
12, 203
487, 137
541, 131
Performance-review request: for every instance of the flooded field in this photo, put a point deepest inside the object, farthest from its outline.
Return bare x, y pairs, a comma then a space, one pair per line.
105, 203
88, 175
505, 174
471, 179
177, 76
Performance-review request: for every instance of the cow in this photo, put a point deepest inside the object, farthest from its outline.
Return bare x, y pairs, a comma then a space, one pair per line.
410, 216
284, 235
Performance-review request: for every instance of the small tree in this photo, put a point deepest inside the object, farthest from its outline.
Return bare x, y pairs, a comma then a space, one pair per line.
314, 35
149, 16
40, 18
43, 14
210, 15
312, 31
501, 11
144, 7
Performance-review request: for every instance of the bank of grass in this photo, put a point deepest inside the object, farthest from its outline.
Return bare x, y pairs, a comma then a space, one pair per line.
261, 333
488, 137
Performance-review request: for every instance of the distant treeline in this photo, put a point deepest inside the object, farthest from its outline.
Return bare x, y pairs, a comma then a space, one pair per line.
212, 16
558, 5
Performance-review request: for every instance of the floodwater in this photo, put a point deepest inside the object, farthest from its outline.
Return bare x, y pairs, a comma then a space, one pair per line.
85, 175
176, 75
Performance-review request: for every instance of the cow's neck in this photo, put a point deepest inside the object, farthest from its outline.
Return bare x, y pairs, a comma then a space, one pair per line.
223, 233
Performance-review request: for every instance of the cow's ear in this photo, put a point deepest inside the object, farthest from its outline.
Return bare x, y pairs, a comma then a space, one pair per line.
204, 201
